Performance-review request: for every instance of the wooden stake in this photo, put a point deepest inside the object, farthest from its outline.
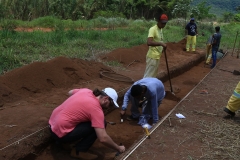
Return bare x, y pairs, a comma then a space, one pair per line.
235, 43
169, 120
238, 50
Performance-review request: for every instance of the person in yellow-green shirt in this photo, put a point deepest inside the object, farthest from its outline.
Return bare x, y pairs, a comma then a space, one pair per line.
156, 46
209, 50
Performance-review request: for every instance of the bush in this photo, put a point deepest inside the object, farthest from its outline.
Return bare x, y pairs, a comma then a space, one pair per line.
237, 17
8, 61
47, 22
206, 26
8, 25
100, 22
141, 25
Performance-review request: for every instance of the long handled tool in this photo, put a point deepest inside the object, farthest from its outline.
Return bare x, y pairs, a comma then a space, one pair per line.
169, 78
170, 95
209, 48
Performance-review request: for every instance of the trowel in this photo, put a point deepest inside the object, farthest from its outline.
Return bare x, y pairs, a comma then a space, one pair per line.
112, 123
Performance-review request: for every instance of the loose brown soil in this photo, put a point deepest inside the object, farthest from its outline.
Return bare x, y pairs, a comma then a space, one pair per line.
30, 93
207, 132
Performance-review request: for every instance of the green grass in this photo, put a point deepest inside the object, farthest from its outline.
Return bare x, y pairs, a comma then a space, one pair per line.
113, 63
21, 48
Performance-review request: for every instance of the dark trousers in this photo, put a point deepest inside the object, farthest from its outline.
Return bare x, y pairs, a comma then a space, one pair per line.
84, 133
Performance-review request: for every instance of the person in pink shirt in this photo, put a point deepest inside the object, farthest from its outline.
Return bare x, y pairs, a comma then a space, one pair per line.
80, 120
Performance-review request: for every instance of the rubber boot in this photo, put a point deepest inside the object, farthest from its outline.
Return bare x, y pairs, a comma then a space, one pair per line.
234, 101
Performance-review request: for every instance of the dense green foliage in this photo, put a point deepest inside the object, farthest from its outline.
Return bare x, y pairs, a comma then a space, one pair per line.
29, 10
20, 48
218, 7
237, 17
81, 9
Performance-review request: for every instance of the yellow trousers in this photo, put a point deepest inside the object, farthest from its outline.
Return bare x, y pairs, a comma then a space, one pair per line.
234, 101
151, 67
209, 53
191, 41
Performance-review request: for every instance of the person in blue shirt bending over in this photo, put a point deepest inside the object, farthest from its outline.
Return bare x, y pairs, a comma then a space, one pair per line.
146, 93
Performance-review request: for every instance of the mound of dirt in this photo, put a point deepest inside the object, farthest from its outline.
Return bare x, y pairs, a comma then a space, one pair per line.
126, 56
63, 72
43, 76
34, 90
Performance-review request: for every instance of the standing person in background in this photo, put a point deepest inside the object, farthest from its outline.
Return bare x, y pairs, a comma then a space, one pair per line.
209, 50
80, 120
215, 45
233, 102
191, 32
156, 46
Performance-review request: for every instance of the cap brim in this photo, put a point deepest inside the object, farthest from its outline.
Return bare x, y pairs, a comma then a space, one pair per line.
164, 21
115, 103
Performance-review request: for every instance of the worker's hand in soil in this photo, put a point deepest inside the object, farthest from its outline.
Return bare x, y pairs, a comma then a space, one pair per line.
122, 112
121, 149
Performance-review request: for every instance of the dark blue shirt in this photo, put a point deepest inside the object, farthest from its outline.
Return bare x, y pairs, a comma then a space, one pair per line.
191, 28
216, 40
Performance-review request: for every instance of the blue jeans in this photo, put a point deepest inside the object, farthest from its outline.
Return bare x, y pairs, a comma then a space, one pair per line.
214, 57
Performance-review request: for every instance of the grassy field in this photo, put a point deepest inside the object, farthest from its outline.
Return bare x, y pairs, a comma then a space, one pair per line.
82, 39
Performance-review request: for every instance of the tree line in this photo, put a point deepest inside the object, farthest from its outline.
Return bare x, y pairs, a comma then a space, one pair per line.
28, 10
220, 6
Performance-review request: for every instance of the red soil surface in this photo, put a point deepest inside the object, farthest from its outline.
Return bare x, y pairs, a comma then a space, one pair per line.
30, 93
206, 132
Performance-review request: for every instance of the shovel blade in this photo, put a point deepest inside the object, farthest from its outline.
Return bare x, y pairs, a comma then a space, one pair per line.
169, 95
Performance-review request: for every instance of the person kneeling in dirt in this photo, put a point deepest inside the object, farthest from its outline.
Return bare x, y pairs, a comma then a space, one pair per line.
148, 94
80, 119
233, 102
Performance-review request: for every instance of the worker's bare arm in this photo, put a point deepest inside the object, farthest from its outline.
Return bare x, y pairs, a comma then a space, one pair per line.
151, 42
107, 140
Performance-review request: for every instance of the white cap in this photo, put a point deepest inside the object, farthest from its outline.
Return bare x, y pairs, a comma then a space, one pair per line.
112, 94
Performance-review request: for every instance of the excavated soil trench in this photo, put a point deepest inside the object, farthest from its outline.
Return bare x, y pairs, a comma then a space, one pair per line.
30, 93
